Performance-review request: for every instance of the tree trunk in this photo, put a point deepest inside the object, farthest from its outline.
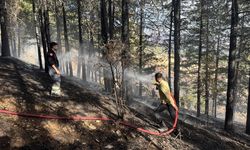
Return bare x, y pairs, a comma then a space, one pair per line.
199, 61
11, 44
67, 49
104, 35
111, 7
37, 34
125, 39
15, 46
141, 43
58, 26
47, 23
170, 45
111, 19
59, 31
13, 39
248, 109
4, 31
176, 50
240, 49
81, 60
215, 95
99, 55
43, 35
91, 51
232, 69
207, 76
125, 22
88, 53
104, 23
18, 41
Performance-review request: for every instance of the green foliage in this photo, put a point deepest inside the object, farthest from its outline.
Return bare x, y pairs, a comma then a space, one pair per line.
26, 20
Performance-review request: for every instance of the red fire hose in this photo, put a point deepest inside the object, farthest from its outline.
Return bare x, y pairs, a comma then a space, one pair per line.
79, 118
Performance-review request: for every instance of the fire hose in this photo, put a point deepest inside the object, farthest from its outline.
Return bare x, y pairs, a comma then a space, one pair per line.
82, 118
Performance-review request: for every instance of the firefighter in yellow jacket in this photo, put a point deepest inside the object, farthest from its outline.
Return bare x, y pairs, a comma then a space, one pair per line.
167, 101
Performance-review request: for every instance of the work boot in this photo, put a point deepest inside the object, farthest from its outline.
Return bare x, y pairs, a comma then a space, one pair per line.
163, 126
56, 90
177, 131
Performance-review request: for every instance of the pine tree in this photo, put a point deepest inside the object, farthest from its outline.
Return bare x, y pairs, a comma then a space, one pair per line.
232, 69
4, 31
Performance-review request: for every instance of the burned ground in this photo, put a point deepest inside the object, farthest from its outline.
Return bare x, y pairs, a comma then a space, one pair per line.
24, 88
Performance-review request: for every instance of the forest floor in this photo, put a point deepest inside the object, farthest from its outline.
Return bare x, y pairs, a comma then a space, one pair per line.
24, 88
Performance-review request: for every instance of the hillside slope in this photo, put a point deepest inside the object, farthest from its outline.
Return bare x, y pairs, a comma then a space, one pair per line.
24, 88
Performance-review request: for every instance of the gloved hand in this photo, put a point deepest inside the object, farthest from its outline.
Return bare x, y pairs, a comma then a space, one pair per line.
156, 83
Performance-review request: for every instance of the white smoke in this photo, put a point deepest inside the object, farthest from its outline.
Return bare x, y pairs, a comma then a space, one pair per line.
144, 78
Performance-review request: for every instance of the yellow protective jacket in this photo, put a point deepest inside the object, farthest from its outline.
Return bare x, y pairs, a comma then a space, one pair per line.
163, 88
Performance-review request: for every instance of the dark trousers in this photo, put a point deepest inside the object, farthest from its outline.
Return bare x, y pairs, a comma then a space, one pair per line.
170, 109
